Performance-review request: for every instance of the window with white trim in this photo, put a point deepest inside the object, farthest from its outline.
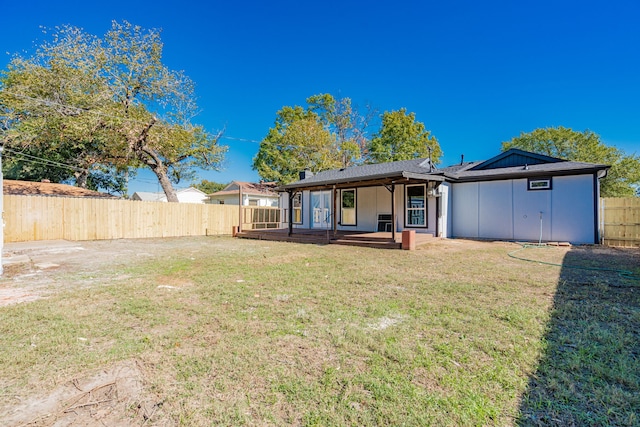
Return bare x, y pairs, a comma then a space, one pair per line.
348, 207
296, 202
534, 184
416, 205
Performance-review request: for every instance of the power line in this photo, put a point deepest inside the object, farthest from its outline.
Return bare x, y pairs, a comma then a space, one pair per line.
44, 161
240, 139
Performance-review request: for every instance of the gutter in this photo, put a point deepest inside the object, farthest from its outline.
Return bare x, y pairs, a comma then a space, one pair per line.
526, 174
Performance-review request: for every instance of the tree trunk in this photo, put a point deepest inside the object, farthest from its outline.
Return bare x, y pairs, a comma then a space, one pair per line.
151, 158
81, 178
165, 183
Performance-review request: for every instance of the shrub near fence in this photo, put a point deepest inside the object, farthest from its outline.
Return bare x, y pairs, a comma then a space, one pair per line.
620, 221
49, 218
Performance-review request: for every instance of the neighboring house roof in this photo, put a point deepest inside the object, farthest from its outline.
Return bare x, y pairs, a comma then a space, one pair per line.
148, 196
29, 188
266, 189
513, 163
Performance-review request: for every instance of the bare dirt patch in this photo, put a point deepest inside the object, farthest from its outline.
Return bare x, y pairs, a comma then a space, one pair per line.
33, 270
113, 396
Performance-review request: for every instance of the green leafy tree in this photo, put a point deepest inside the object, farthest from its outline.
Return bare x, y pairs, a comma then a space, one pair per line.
298, 141
623, 178
401, 137
329, 133
108, 104
46, 134
209, 186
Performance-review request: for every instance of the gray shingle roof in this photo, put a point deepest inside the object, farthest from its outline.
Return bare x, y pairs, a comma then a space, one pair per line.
420, 168
365, 172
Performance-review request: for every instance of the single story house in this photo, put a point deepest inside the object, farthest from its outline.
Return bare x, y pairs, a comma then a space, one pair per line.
46, 188
516, 195
253, 194
186, 195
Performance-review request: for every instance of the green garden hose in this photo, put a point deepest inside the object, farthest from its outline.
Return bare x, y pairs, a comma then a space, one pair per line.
625, 274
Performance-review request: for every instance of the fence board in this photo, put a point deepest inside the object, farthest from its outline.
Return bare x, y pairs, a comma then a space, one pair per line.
50, 218
621, 221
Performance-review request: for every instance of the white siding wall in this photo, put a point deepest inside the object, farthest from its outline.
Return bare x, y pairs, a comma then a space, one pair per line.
191, 196
528, 207
495, 210
506, 210
370, 201
464, 210
233, 200
445, 209
367, 202
572, 210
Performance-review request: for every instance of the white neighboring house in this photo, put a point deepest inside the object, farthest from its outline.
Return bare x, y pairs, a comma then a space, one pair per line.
253, 194
186, 195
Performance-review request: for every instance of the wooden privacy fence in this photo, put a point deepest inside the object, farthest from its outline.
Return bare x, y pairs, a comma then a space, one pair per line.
620, 221
49, 218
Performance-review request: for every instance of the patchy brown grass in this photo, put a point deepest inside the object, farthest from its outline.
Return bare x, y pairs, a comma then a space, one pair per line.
231, 332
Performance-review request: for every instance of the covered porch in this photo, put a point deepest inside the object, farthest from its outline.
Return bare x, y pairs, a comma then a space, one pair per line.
380, 206
380, 240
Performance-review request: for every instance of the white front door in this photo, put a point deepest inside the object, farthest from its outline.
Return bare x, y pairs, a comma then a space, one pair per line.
320, 209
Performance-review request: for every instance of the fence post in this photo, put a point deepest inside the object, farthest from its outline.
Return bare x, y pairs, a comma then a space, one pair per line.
602, 211
240, 208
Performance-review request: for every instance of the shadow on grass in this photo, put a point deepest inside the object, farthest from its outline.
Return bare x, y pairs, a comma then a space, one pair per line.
589, 373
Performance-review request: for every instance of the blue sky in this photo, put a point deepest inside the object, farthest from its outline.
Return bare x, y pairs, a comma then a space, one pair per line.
475, 73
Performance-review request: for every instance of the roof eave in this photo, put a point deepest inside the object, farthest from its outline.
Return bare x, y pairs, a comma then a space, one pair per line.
361, 180
529, 174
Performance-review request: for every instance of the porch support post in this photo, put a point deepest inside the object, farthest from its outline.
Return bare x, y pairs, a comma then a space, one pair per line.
333, 209
393, 211
290, 212
437, 215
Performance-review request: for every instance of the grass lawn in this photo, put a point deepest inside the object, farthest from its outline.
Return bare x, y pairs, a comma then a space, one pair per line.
238, 332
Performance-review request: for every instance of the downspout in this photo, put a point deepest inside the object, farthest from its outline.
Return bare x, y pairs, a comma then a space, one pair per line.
596, 204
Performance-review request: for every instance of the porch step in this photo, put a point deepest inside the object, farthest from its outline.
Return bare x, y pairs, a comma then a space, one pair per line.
378, 243
368, 237
283, 237
369, 240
